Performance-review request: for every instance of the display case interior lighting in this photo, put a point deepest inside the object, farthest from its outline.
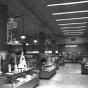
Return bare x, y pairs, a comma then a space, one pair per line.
72, 19
70, 12
68, 3
71, 45
72, 27
73, 23
73, 30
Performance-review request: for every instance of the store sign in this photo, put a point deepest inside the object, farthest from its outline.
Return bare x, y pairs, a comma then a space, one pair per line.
71, 46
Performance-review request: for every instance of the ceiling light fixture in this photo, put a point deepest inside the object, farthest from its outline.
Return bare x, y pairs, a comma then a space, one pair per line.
72, 27
35, 39
69, 3
72, 18
73, 23
73, 34
27, 44
70, 12
16, 42
23, 36
73, 30
27, 37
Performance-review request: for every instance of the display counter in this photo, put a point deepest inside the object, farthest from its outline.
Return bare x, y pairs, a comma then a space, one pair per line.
61, 63
29, 78
47, 70
84, 68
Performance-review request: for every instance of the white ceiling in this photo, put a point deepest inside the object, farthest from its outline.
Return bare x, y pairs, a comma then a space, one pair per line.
37, 14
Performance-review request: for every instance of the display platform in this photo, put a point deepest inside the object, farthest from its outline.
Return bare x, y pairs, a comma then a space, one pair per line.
48, 71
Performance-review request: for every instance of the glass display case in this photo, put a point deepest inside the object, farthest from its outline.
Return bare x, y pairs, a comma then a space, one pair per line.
48, 67
29, 78
47, 70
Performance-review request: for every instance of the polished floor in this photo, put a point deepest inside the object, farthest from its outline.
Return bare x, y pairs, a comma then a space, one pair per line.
68, 76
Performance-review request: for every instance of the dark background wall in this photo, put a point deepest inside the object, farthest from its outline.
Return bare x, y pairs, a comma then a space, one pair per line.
79, 48
67, 39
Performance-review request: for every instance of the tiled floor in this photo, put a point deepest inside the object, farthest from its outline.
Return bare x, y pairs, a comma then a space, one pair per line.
68, 76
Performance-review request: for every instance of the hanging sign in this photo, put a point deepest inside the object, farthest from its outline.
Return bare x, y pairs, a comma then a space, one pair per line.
11, 32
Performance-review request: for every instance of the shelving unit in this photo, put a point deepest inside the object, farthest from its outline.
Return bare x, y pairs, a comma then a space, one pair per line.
31, 59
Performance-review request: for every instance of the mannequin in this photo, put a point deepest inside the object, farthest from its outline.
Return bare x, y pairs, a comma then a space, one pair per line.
22, 64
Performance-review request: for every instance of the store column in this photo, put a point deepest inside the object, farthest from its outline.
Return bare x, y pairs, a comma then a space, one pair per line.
42, 42
3, 32
24, 48
3, 25
53, 46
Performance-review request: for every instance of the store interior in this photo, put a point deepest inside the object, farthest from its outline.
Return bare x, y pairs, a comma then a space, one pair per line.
43, 43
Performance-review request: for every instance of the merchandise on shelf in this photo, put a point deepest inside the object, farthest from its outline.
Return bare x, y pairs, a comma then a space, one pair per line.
22, 64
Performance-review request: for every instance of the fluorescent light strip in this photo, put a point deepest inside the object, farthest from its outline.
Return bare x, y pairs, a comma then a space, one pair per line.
73, 30
72, 27
73, 34
69, 12
69, 3
72, 18
73, 23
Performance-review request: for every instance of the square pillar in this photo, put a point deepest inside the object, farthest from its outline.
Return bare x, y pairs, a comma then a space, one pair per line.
3, 27
53, 46
24, 48
41, 42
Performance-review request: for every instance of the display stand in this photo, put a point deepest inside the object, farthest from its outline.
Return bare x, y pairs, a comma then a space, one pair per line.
28, 79
57, 64
47, 71
61, 63
84, 68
